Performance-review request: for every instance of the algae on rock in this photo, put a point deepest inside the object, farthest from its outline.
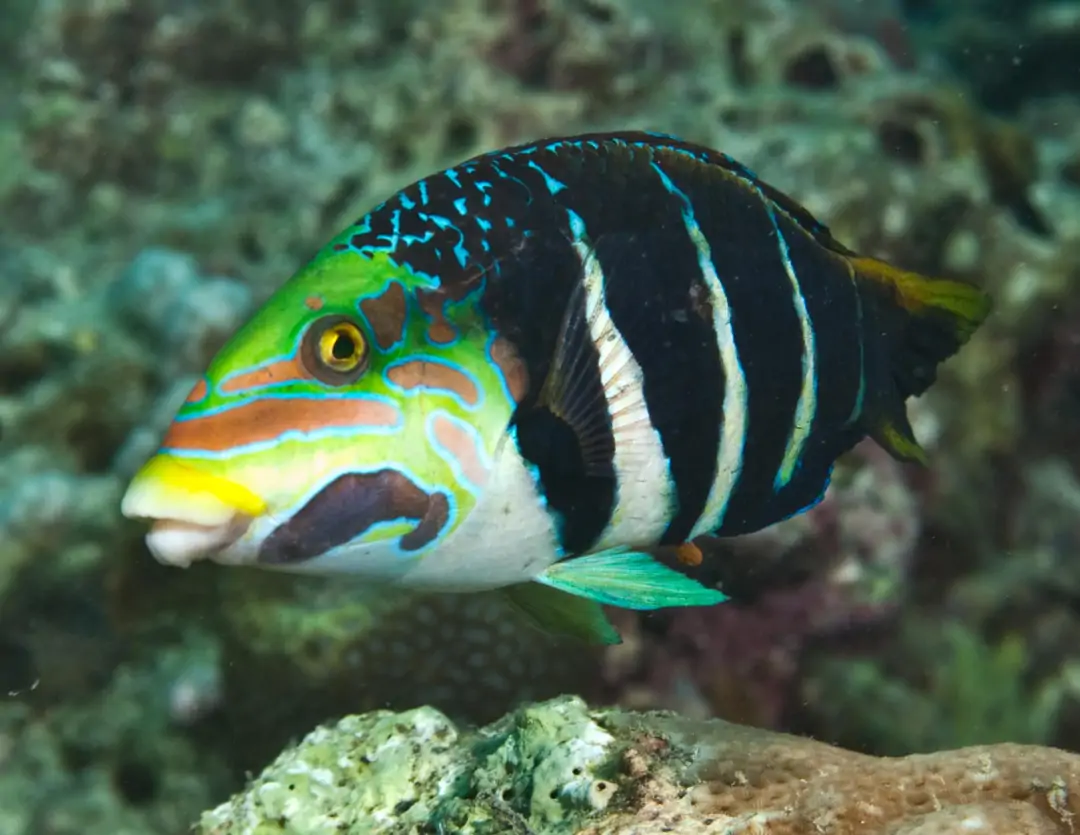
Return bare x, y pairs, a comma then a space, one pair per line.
556, 768
545, 768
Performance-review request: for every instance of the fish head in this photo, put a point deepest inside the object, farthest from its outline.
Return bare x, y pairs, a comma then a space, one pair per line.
350, 425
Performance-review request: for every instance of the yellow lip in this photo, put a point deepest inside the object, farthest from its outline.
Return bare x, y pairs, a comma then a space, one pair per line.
166, 488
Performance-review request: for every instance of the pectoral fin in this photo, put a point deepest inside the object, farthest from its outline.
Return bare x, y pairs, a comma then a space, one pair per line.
557, 613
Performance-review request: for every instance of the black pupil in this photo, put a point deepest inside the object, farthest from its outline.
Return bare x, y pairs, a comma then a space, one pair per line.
343, 348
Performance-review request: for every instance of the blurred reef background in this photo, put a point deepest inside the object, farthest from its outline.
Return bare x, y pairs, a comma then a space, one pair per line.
165, 164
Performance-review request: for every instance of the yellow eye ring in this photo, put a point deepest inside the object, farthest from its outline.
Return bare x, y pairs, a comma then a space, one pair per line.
335, 350
341, 347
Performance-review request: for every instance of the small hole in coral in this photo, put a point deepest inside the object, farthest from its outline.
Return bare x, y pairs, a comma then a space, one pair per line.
136, 782
250, 248
75, 758
901, 141
812, 68
599, 11
554, 793
460, 135
740, 62
399, 156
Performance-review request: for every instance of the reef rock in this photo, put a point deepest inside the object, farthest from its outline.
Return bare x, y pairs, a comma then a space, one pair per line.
557, 767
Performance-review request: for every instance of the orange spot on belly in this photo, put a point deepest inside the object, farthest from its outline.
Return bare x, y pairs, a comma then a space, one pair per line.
314, 303
689, 554
462, 446
282, 371
434, 375
266, 420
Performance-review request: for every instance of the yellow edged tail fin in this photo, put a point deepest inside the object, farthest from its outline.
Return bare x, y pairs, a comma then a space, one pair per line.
963, 307
924, 321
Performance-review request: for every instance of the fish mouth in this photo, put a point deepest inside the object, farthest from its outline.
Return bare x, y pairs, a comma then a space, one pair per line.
195, 514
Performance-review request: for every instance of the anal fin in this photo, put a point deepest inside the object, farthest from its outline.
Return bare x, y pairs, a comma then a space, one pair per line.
895, 435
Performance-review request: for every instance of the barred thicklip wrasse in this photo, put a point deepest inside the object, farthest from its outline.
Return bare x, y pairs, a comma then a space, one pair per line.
518, 372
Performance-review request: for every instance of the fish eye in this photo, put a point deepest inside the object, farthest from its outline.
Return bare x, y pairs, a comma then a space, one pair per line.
335, 351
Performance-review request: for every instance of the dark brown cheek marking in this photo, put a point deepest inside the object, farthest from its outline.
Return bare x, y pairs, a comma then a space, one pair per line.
198, 392
434, 520
314, 303
386, 315
284, 371
350, 505
511, 367
434, 375
440, 331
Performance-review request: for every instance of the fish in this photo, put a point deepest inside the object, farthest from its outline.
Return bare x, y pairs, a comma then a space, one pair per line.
529, 371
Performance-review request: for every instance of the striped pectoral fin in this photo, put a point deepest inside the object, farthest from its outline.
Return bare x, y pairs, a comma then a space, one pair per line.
557, 613
629, 580
573, 391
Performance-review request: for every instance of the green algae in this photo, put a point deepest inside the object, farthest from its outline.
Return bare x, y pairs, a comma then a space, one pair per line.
544, 769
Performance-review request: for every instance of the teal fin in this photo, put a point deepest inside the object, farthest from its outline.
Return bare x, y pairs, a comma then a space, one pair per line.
628, 579
557, 613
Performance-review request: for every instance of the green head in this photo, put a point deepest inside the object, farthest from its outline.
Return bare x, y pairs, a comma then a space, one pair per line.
350, 424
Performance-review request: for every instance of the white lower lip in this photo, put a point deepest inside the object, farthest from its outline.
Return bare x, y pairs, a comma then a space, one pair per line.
181, 543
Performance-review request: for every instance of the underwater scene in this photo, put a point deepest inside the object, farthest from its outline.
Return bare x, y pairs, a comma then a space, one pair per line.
541, 417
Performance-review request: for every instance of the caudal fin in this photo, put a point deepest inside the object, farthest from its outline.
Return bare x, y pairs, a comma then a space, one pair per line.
929, 320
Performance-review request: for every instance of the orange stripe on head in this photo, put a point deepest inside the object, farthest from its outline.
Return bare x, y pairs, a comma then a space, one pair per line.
511, 367
282, 371
386, 315
462, 447
198, 392
434, 375
266, 420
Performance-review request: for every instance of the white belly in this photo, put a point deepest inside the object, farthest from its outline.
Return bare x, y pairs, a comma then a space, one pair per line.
508, 538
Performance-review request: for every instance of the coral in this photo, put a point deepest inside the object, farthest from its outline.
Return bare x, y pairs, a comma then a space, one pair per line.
106, 764
556, 768
1009, 52
598, 46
